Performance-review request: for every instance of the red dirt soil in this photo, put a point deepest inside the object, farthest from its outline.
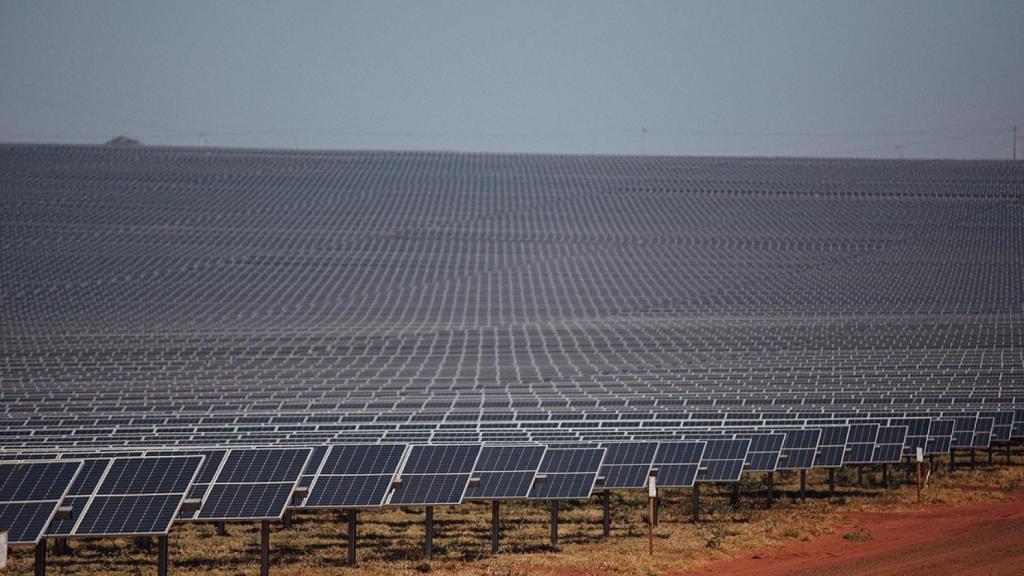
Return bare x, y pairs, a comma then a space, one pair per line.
970, 540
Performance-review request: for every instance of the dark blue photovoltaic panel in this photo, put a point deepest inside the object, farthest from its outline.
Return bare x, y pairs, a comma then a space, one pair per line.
246, 501
129, 515
139, 496
504, 458
799, 449
368, 491
355, 476
917, 433
889, 445
569, 473
441, 459
263, 466
860, 444
36, 481
150, 475
25, 522
430, 490
963, 431
723, 460
625, 476
627, 465
30, 492
982, 436
505, 472
677, 463
63, 527
501, 486
363, 459
831, 447
629, 453
940, 437
763, 455
1002, 429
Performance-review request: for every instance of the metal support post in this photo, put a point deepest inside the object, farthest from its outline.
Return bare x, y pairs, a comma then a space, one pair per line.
554, 522
41, 557
831, 482
352, 538
428, 538
265, 548
735, 498
803, 484
695, 507
771, 489
495, 518
161, 555
606, 524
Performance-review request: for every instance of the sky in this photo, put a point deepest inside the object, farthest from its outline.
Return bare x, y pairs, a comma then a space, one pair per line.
920, 79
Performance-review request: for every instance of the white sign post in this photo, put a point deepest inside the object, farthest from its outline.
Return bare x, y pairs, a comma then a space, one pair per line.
920, 459
3, 549
652, 493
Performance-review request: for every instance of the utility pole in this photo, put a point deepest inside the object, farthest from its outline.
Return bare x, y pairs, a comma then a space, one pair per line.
1014, 142
643, 141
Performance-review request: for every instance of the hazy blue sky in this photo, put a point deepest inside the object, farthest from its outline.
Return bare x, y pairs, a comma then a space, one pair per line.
848, 78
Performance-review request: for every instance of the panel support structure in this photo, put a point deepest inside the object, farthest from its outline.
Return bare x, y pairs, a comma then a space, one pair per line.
831, 482
803, 484
606, 520
428, 536
554, 522
695, 505
161, 555
771, 489
41, 557
495, 519
352, 538
264, 548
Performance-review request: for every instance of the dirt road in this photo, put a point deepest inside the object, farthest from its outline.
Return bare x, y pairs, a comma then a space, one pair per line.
976, 539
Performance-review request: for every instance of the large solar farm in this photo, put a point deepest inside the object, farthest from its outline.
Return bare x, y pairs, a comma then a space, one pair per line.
243, 338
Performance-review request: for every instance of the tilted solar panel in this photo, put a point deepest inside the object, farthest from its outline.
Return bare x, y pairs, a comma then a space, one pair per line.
505, 472
627, 465
677, 463
30, 493
254, 484
355, 476
568, 473
831, 447
435, 475
799, 449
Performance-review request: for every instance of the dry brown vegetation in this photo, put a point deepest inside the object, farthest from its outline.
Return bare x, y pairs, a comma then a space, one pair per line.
390, 541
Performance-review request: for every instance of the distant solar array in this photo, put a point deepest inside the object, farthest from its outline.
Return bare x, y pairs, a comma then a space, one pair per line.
222, 335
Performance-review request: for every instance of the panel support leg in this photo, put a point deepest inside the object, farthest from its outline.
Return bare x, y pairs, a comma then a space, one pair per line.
973, 463
222, 529
41, 557
606, 524
428, 537
1007, 452
60, 546
695, 505
952, 460
264, 548
287, 519
554, 522
860, 475
352, 538
771, 489
734, 500
885, 475
990, 455
161, 555
803, 485
831, 482
495, 519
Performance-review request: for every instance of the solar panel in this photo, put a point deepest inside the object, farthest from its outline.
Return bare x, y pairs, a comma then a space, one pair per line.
505, 472
723, 460
917, 433
940, 436
982, 436
860, 444
568, 473
30, 493
1002, 425
435, 475
799, 449
889, 445
627, 465
355, 476
85, 484
138, 496
963, 431
254, 484
764, 452
677, 463
831, 447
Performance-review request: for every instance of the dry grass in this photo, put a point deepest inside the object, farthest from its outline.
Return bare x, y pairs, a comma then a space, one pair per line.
390, 541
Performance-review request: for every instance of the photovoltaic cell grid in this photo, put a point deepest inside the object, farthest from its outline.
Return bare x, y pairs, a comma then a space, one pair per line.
940, 436
505, 472
138, 496
627, 465
85, 484
889, 445
860, 444
723, 460
799, 449
831, 447
30, 493
763, 455
435, 475
355, 476
254, 484
677, 463
568, 473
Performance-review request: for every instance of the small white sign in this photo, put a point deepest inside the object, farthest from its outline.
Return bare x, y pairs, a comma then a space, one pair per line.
920, 454
3, 550
652, 490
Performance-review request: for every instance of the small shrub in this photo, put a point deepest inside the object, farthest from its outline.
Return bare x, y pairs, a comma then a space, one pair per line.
858, 535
